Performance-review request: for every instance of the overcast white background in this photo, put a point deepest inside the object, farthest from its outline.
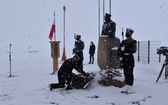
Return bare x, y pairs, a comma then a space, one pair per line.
26, 24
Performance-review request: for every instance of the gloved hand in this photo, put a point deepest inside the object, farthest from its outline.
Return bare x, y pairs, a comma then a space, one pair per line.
73, 51
120, 58
83, 73
122, 48
86, 74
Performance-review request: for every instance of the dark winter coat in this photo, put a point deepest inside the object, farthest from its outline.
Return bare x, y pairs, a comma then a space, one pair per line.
109, 29
127, 55
65, 73
92, 49
78, 48
68, 66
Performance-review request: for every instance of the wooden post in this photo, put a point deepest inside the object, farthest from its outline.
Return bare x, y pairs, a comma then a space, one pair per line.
55, 54
55, 65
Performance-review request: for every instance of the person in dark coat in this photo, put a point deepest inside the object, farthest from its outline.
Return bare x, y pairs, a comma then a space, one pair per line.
109, 27
126, 50
78, 49
65, 75
91, 52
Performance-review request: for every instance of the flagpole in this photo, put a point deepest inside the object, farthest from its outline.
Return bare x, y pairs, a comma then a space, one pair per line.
64, 8
103, 10
55, 28
64, 54
110, 7
99, 18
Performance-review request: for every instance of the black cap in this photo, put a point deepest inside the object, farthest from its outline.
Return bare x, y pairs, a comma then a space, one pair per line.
130, 30
77, 36
107, 15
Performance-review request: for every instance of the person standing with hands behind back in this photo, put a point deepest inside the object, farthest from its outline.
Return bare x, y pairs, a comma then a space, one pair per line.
91, 52
78, 49
126, 50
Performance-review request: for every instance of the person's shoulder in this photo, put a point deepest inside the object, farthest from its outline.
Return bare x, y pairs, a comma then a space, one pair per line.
93, 44
134, 40
112, 22
81, 41
69, 60
123, 41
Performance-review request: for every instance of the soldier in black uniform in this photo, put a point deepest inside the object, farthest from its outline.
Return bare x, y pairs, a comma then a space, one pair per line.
91, 52
126, 50
78, 49
65, 74
109, 27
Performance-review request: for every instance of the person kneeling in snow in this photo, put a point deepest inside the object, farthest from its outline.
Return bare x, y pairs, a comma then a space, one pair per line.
65, 74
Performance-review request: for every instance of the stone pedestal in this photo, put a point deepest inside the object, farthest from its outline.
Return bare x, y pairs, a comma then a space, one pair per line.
107, 52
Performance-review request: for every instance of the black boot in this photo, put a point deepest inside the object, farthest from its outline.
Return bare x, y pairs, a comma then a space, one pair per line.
50, 87
55, 86
69, 87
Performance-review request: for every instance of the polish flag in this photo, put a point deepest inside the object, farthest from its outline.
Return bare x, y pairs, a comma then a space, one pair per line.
52, 31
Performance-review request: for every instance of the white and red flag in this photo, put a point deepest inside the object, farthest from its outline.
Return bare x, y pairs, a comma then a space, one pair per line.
53, 30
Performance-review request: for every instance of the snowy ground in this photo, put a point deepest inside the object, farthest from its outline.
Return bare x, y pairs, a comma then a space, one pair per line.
26, 24
31, 76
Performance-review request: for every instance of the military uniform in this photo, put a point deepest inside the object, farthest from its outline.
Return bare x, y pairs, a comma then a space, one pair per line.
78, 50
127, 61
65, 74
126, 50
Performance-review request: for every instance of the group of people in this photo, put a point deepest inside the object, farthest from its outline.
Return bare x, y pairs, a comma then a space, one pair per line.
125, 54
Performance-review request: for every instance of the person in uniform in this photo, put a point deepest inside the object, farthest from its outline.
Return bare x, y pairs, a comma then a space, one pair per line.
126, 50
91, 52
78, 49
65, 75
109, 27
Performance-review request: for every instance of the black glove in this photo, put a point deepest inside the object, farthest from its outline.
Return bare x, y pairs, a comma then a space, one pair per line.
84, 73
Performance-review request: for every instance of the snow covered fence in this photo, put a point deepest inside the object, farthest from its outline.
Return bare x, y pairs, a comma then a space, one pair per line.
147, 51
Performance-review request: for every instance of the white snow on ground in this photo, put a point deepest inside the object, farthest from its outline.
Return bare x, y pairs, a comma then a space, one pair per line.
26, 25
31, 76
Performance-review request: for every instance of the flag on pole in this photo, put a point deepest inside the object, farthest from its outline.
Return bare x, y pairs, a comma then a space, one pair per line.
52, 31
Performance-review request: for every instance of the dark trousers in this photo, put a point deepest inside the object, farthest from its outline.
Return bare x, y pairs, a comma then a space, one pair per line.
91, 58
65, 78
166, 70
80, 62
129, 76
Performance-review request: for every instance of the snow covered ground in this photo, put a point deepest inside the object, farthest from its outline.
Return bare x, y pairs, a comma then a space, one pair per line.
31, 76
26, 25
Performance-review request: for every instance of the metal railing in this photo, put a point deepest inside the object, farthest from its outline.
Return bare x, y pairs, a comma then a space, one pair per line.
147, 52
